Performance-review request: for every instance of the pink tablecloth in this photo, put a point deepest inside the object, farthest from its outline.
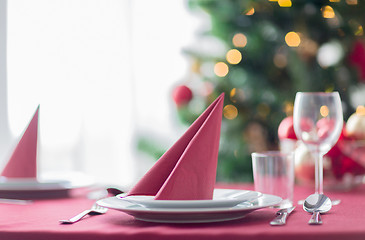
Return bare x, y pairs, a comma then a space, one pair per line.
40, 221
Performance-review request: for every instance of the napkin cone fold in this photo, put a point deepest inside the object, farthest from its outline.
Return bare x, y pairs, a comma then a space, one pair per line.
187, 171
23, 161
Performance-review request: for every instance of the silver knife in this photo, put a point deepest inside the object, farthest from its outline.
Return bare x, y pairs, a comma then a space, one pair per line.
281, 216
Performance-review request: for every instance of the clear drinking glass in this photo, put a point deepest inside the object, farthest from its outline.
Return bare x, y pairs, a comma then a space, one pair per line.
318, 121
273, 173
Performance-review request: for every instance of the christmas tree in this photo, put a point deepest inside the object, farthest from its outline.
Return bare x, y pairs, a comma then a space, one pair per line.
260, 53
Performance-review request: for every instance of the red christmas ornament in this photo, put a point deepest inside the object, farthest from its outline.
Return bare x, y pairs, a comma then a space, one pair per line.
286, 129
357, 58
344, 164
344, 157
347, 156
182, 95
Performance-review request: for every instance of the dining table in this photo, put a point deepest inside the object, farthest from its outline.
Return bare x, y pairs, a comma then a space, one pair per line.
39, 220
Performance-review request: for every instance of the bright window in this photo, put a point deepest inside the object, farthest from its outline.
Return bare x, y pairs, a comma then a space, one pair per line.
100, 70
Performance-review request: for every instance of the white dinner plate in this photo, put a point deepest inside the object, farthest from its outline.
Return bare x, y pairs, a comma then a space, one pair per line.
189, 215
51, 185
221, 198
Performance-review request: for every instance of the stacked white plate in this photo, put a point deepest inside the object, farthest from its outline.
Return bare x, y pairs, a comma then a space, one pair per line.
53, 185
227, 204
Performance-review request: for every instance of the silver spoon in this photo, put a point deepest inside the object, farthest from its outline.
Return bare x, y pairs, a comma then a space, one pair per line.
317, 204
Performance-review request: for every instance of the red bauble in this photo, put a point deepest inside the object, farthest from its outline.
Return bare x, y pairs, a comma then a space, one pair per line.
345, 157
344, 164
286, 129
357, 58
182, 95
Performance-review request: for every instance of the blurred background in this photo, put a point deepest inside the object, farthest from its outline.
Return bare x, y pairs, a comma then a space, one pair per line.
118, 82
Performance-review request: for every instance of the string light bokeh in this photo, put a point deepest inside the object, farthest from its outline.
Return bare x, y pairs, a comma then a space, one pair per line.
327, 55
267, 51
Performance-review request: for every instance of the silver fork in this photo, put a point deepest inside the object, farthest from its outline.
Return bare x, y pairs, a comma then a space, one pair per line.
94, 210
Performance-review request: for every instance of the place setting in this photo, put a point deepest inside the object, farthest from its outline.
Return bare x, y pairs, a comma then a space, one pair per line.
180, 187
20, 179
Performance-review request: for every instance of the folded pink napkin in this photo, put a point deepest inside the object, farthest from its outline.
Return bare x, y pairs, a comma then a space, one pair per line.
23, 161
187, 171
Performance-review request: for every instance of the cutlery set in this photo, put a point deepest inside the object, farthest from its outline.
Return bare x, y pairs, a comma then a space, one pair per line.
315, 204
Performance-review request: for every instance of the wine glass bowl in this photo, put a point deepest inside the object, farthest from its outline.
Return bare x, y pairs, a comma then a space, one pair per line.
320, 119
318, 122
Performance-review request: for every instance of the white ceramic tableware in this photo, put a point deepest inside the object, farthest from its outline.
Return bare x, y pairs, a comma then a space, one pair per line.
188, 215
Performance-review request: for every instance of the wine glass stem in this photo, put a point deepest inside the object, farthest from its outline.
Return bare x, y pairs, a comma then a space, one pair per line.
318, 161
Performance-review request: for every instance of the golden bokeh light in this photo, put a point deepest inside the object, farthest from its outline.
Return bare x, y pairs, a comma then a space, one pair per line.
292, 39
232, 95
324, 111
250, 12
360, 110
359, 31
239, 40
237, 95
230, 112
221, 69
234, 56
288, 108
351, 2
285, 3
335, 0
327, 12
356, 27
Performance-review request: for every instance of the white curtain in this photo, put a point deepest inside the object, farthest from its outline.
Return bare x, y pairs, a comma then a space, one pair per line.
4, 126
100, 70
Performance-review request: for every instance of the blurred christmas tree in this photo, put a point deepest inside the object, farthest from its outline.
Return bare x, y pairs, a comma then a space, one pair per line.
260, 53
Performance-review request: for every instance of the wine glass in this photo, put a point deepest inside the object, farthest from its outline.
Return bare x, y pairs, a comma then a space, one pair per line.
318, 122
